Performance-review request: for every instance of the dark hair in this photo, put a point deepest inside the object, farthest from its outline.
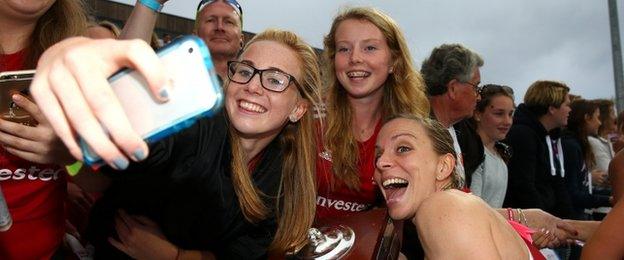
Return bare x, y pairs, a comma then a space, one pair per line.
490, 91
582, 108
605, 106
448, 62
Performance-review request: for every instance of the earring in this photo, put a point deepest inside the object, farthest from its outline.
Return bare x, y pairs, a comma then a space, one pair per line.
391, 70
292, 118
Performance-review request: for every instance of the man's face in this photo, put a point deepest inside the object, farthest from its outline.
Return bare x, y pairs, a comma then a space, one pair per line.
469, 94
220, 28
562, 112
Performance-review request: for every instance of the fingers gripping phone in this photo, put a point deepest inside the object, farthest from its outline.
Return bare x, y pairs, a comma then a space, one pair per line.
195, 93
15, 82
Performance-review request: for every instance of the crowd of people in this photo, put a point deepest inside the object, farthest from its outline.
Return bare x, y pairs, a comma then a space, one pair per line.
470, 174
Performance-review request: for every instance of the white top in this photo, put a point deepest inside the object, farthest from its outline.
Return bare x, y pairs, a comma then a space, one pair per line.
489, 181
603, 152
459, 165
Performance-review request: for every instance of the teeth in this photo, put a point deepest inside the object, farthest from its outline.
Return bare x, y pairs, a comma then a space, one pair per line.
354, 74
395, 183
252, 107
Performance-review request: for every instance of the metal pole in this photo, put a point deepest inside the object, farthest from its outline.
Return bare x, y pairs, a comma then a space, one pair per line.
616, 50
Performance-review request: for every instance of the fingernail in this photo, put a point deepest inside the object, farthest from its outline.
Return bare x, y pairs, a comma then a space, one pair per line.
120, 163
138, 154
164, 93
164, 90
16, 97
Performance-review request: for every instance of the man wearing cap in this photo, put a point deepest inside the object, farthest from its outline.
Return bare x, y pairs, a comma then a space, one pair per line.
218, 23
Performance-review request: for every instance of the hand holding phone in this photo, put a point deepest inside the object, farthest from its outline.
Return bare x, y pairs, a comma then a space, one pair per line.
194, 92
71, 87
11, 83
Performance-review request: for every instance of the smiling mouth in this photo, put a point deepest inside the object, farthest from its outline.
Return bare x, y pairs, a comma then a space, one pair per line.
358, 74
251, 107
394, 188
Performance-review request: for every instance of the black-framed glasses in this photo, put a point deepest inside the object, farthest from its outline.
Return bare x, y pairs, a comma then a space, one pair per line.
271, 79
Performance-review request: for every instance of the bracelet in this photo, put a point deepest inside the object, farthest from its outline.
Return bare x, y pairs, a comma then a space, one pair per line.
523, 218
73, 168
510, 214
152, 4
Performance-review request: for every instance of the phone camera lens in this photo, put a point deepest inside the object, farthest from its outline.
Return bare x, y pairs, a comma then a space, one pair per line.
190, 50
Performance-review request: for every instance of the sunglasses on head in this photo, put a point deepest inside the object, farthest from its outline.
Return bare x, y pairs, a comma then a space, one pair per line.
237, 7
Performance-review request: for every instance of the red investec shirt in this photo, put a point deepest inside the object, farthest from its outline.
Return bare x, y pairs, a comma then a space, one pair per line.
35, 195
342, 201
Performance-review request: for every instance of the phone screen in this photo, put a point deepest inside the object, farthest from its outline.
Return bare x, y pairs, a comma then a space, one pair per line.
17, 82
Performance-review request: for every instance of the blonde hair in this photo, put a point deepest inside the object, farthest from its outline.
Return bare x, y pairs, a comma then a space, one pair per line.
403, 92
543, 94
441, 142
297, 193
64, 19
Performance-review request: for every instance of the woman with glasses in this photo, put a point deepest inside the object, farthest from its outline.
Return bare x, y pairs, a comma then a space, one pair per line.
239, 185
493, 118
369, 76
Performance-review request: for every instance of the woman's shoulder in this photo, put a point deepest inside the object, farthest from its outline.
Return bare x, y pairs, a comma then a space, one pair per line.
451, 204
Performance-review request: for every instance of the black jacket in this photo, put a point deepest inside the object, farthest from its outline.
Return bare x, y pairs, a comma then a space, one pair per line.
185, 186
471, 146
576, 178
531, 183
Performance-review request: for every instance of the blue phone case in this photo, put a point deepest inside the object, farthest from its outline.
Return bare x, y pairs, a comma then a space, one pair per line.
181, 122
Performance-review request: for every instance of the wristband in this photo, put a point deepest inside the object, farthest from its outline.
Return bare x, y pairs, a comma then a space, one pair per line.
74, 168
152, 4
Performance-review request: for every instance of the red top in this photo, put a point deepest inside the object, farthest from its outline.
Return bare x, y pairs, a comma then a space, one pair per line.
342, 201
35, 195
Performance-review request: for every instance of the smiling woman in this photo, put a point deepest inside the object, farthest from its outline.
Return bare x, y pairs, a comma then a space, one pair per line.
239, 185
369, 76
415, 164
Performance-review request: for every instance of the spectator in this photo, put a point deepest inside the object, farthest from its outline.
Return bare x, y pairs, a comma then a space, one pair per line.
218, 22
493, 117
370, 75
602, 148
579, 157
600, 143
233, 185
36, 202
535, 169
452, 76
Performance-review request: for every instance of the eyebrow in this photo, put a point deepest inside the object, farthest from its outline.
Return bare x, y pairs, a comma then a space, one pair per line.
248, 62
365, 41
394, 137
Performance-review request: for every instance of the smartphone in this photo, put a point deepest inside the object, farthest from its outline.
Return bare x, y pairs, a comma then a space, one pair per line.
15, 82
195, 93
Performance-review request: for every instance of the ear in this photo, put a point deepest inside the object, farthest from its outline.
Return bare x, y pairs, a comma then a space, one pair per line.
298, 112
551, 110
451, 89
446, 165
242, 40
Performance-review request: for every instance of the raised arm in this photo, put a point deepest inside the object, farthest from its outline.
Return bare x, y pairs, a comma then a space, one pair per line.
141, 23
